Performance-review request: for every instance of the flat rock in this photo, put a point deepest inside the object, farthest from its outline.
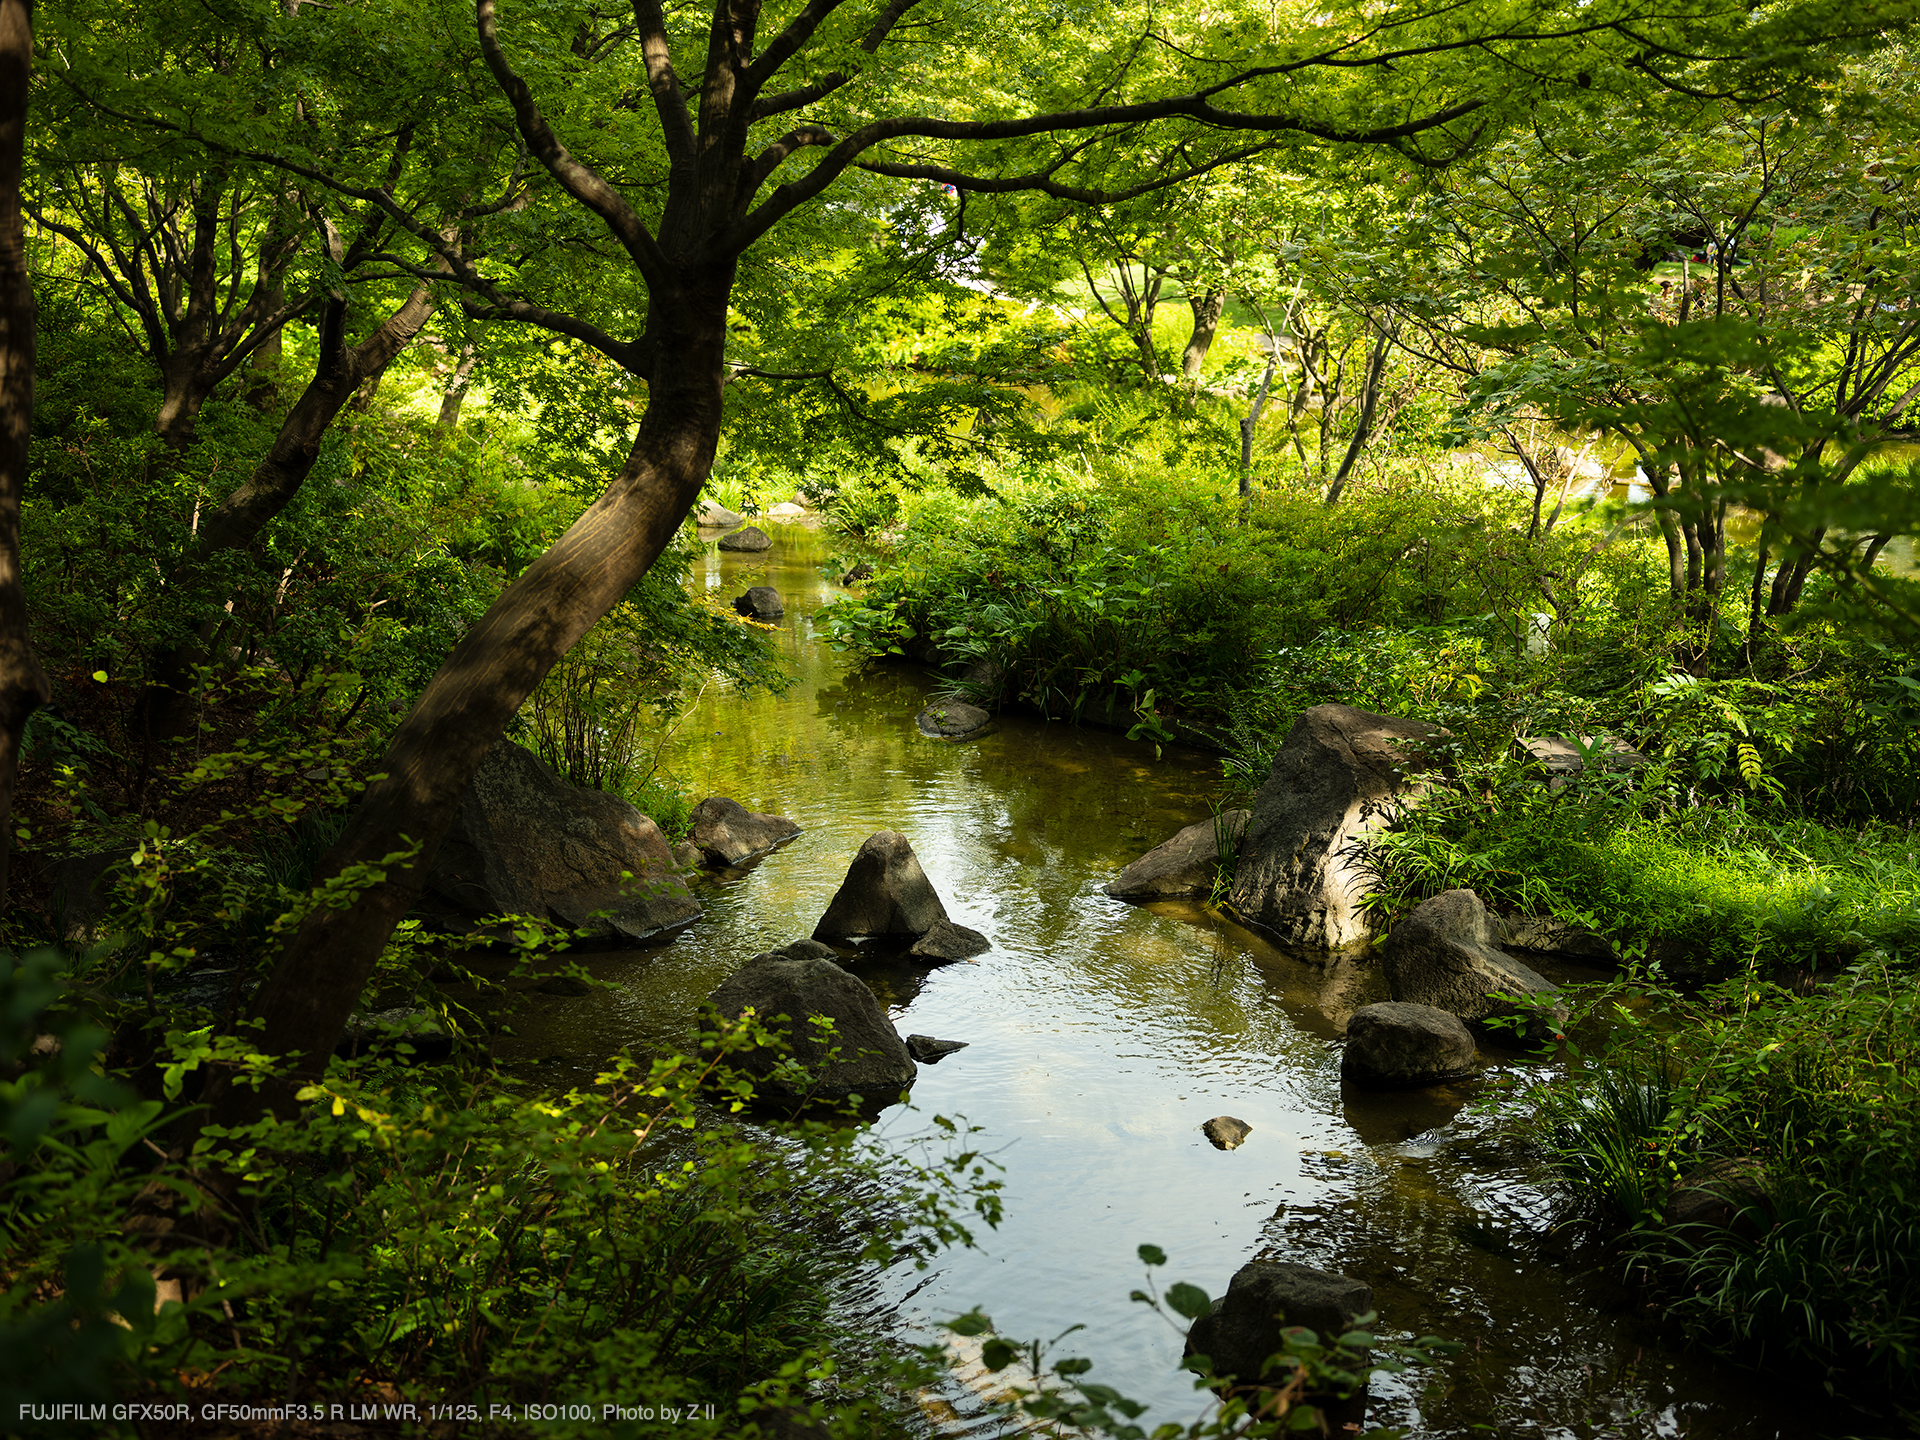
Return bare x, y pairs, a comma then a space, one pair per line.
948, 941
1562, 758
1225, 1132
524, 842
1397, 1043
1444, 955
808, 950
714, 515
1266, 1297
864, 1056
1340, 775
1715, 1195
1549, 935
761, 603
929, 1051
1185, 865
787, 510
885, 893
728, 833
752, 539
952, 720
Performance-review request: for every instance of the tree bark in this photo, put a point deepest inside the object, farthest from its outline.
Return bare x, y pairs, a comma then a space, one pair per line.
23, 685
1369, 404
456, 395
239, 519
1207, 310
399, 823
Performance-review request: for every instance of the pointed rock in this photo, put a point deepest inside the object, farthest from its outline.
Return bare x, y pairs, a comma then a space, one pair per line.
1185, 865
885, 893
728, 833
929, 1051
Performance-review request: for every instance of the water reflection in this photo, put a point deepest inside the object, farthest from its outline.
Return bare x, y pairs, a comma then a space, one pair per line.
1101, 1036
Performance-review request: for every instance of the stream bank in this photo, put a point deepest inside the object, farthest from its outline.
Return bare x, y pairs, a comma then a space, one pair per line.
1101, 1035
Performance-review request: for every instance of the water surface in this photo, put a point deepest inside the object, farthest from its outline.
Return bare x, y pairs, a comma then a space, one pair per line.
1102, 1035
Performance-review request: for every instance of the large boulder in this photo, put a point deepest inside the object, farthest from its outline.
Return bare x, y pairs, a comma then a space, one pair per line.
1186, 864
752, 540
1563, 757
714, 515
524, 842
1340, 775
728, 833
863, 1056
1444, 954
762, 603
1266, 1297
885, 893
1401, 1044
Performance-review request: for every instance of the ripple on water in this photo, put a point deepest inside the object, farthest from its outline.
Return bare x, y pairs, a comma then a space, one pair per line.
1102, 1035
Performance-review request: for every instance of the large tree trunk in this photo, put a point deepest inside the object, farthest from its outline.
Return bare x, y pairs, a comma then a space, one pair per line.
400, 821
456, 395
240, 518
23, 686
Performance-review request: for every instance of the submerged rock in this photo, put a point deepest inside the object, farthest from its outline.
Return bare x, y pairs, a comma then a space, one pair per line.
524, 842
728, 833
952, 720
885, 893
1444, 955
862, 1056
752, 540
1187, 864
948, 941
1398, 1043
1225, 1132
1340, 775
762, 603
384, 1031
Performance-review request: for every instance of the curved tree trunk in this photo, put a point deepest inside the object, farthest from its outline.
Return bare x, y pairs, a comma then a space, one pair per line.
400, 821
23, 685
1207, 310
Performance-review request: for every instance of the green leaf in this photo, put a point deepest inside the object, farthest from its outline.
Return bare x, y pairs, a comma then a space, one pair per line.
997, 1354
1189, 1300
971, 1323
1152, 1255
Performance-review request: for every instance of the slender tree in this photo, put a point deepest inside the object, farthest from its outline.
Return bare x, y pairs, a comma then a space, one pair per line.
23, 687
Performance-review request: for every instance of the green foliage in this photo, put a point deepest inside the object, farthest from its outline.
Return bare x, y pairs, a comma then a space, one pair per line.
1808, 1105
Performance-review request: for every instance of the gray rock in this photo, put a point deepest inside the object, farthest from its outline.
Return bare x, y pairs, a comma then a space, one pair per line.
383, 1031
687, 856
752, 540
788, 994
808, 950
1396, 1043
1266, 1297
952, 720
714, 515
1186, 864
1551, 936
1561, 759
862, 571
885, 893
762, 603
1341, 774
1225, 1132
929, 1051
729, 833
786, 510
524, 842
1720, 1194
1444, 955
948, 941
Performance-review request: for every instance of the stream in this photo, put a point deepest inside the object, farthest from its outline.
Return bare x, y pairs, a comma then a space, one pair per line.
1101, 1035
